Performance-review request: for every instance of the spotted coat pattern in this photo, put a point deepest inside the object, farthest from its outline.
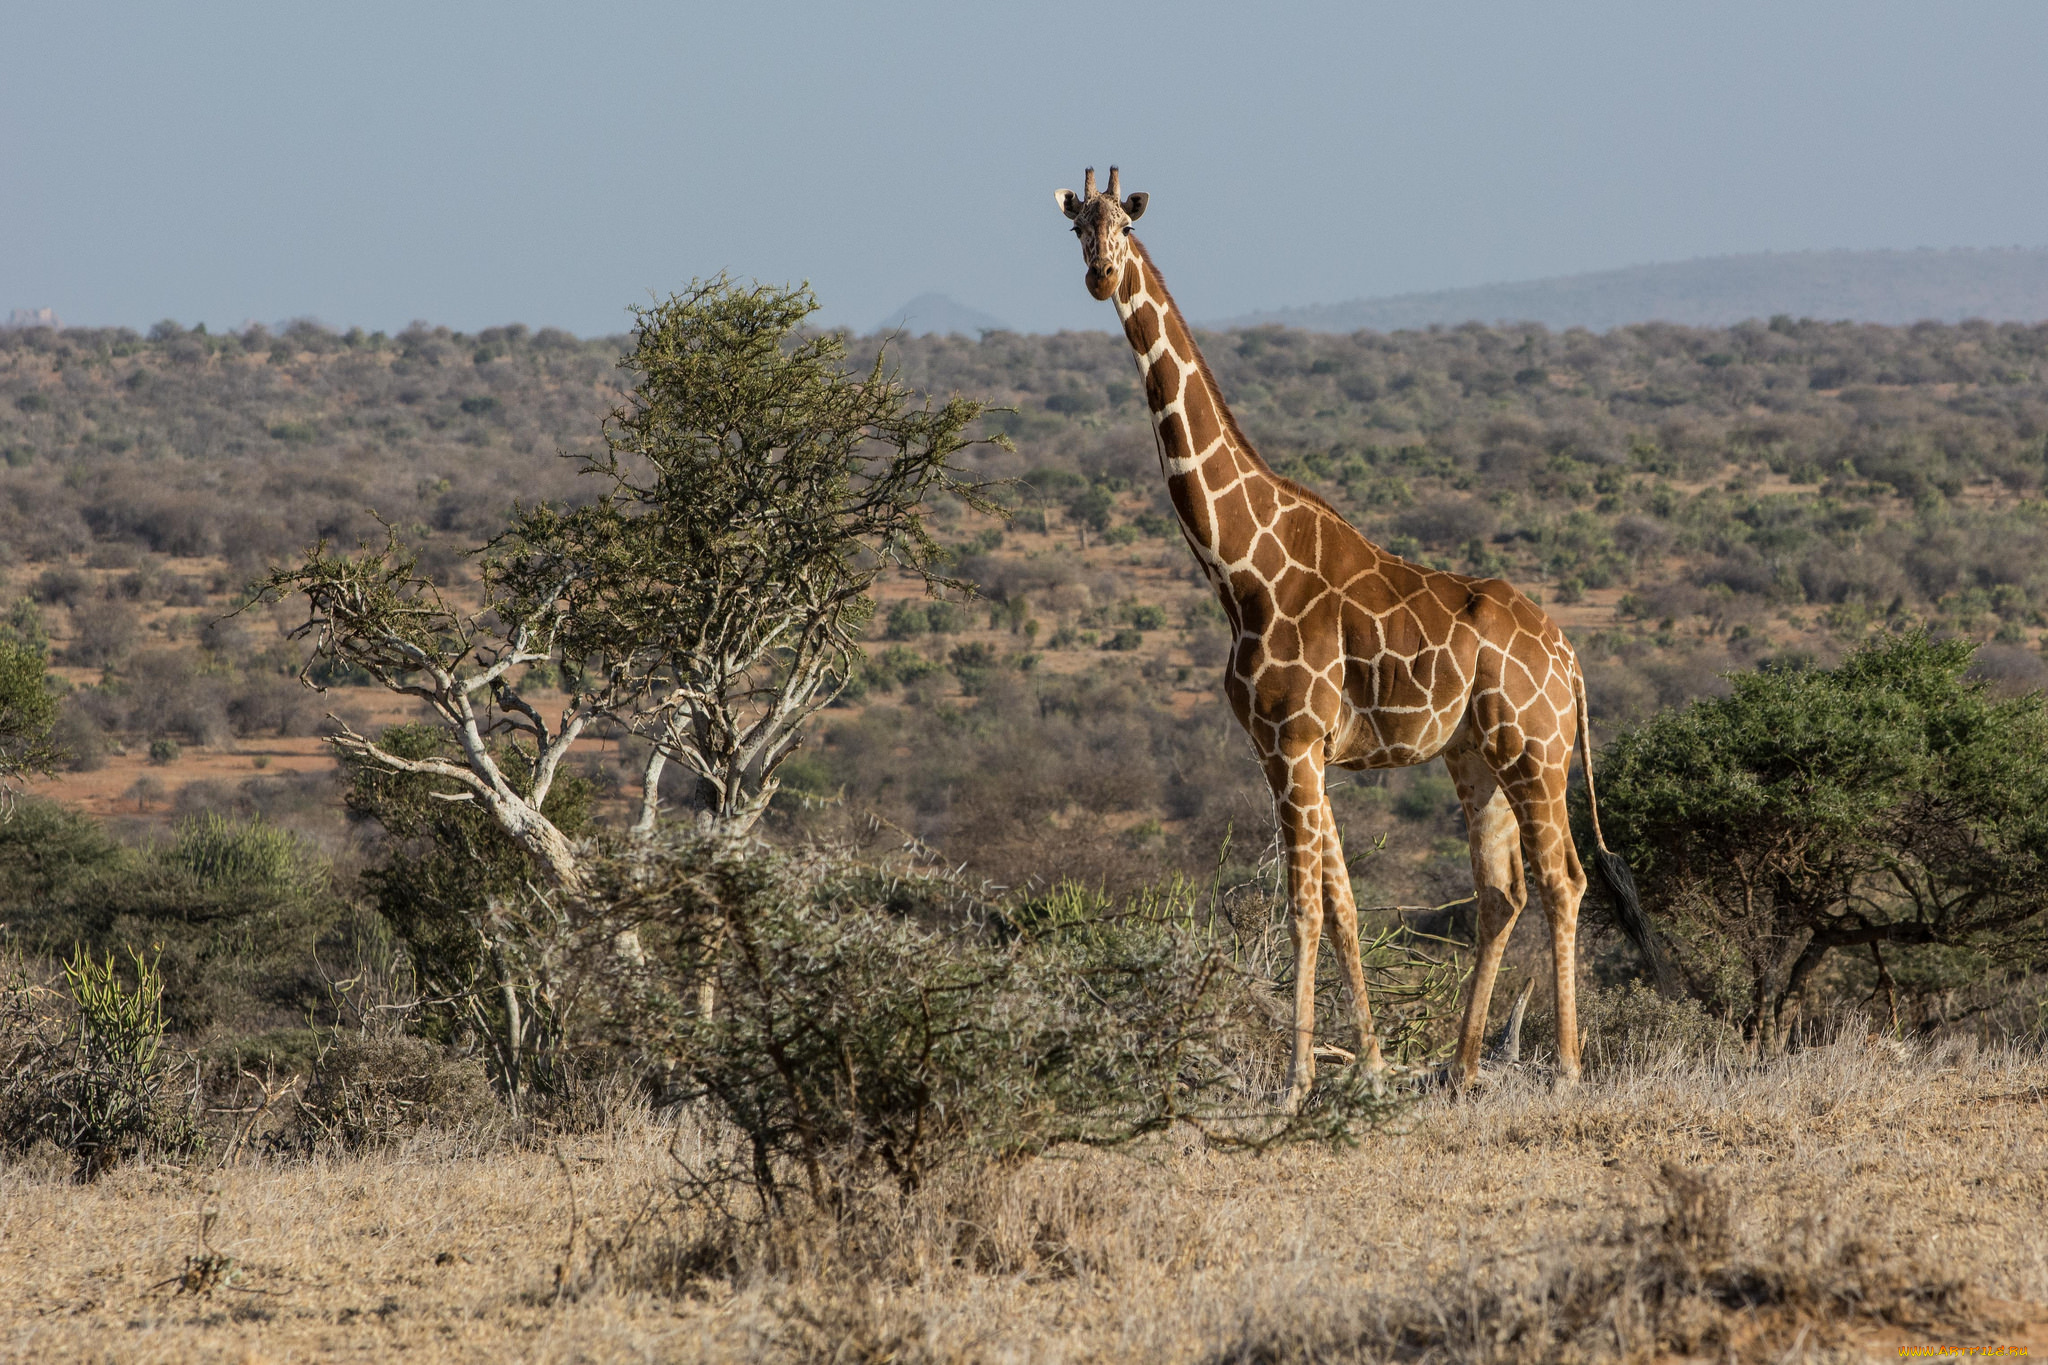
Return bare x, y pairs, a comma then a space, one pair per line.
1348, 656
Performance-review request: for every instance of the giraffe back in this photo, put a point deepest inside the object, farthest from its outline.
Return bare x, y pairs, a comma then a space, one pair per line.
1392, 661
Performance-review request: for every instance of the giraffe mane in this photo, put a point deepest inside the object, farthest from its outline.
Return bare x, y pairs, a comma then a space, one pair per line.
1223, 409
1224, 413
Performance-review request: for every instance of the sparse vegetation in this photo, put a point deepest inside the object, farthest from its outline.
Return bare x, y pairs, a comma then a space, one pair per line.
868, 1032
1795, 1224
953, 1063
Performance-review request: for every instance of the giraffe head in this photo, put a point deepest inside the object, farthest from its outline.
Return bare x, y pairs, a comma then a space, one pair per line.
1103, 223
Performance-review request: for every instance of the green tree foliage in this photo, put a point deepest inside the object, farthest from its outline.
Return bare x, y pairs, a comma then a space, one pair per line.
1092, 506
28, 710
754, 489
1891, 802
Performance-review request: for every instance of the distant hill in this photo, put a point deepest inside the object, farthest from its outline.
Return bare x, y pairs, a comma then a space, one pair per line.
1897, 287
939, 315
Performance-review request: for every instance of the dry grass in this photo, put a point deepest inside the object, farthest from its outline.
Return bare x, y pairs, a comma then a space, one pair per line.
1837, 1205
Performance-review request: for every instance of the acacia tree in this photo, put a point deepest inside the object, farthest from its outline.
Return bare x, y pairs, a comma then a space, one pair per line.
1890, 802
754, 490
709, 599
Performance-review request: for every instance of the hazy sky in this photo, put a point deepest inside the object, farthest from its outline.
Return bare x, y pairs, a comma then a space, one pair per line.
477, 164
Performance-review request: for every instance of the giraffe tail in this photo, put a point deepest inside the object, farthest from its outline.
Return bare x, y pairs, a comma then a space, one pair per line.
1614, 873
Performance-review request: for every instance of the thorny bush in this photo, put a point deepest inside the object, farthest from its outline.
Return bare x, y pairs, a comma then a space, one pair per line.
854, 1047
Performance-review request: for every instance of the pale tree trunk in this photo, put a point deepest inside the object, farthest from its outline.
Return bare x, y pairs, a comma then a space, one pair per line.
644, 827
540, 837
650, 792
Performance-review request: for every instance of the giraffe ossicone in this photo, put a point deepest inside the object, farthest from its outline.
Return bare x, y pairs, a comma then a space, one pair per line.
1348, 656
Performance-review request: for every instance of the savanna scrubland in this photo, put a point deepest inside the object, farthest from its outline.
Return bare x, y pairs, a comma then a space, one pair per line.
1022, 788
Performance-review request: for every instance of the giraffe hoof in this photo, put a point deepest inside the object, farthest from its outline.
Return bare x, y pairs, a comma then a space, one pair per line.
1452, 1077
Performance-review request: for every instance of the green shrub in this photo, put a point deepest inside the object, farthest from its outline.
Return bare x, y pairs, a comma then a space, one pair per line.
1146, 616
1891, 806
972, 664
1092, 506
28, 703
946, 618
163, 750
1154, 525
223, 852
906, 620
450, 884
46, 849
897, 665
1425, 796
230, 913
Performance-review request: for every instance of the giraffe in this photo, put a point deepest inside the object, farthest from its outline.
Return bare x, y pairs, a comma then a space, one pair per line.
1348, 656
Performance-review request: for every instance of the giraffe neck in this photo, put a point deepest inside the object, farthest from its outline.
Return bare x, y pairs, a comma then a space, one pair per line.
1207, 461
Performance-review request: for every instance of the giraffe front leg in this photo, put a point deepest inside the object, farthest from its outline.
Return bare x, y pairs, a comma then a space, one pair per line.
1343, 912
1298, 799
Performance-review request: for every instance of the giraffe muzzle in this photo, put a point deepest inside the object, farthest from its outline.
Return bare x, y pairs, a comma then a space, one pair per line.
1101, 282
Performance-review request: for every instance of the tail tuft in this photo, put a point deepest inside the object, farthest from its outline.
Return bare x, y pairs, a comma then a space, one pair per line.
1621, 883
1628, 912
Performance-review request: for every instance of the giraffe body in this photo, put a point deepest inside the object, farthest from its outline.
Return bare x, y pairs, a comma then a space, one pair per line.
1348, 656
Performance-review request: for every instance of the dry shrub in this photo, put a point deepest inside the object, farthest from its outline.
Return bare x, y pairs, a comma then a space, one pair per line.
379, 1087
1682, 1284
83, 1069
1635, 1026
1034, 1221
867, 1034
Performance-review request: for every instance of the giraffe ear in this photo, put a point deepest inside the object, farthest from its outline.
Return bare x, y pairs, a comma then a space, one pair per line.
1135, 205
1069, 202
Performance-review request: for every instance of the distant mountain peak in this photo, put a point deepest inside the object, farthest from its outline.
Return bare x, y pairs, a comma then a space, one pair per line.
2001, 284
939, 313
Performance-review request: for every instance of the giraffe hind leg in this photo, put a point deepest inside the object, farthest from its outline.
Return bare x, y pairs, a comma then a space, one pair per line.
1561, 881
1499, 889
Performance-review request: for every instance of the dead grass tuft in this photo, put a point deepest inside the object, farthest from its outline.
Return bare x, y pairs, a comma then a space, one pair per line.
1686, 1285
